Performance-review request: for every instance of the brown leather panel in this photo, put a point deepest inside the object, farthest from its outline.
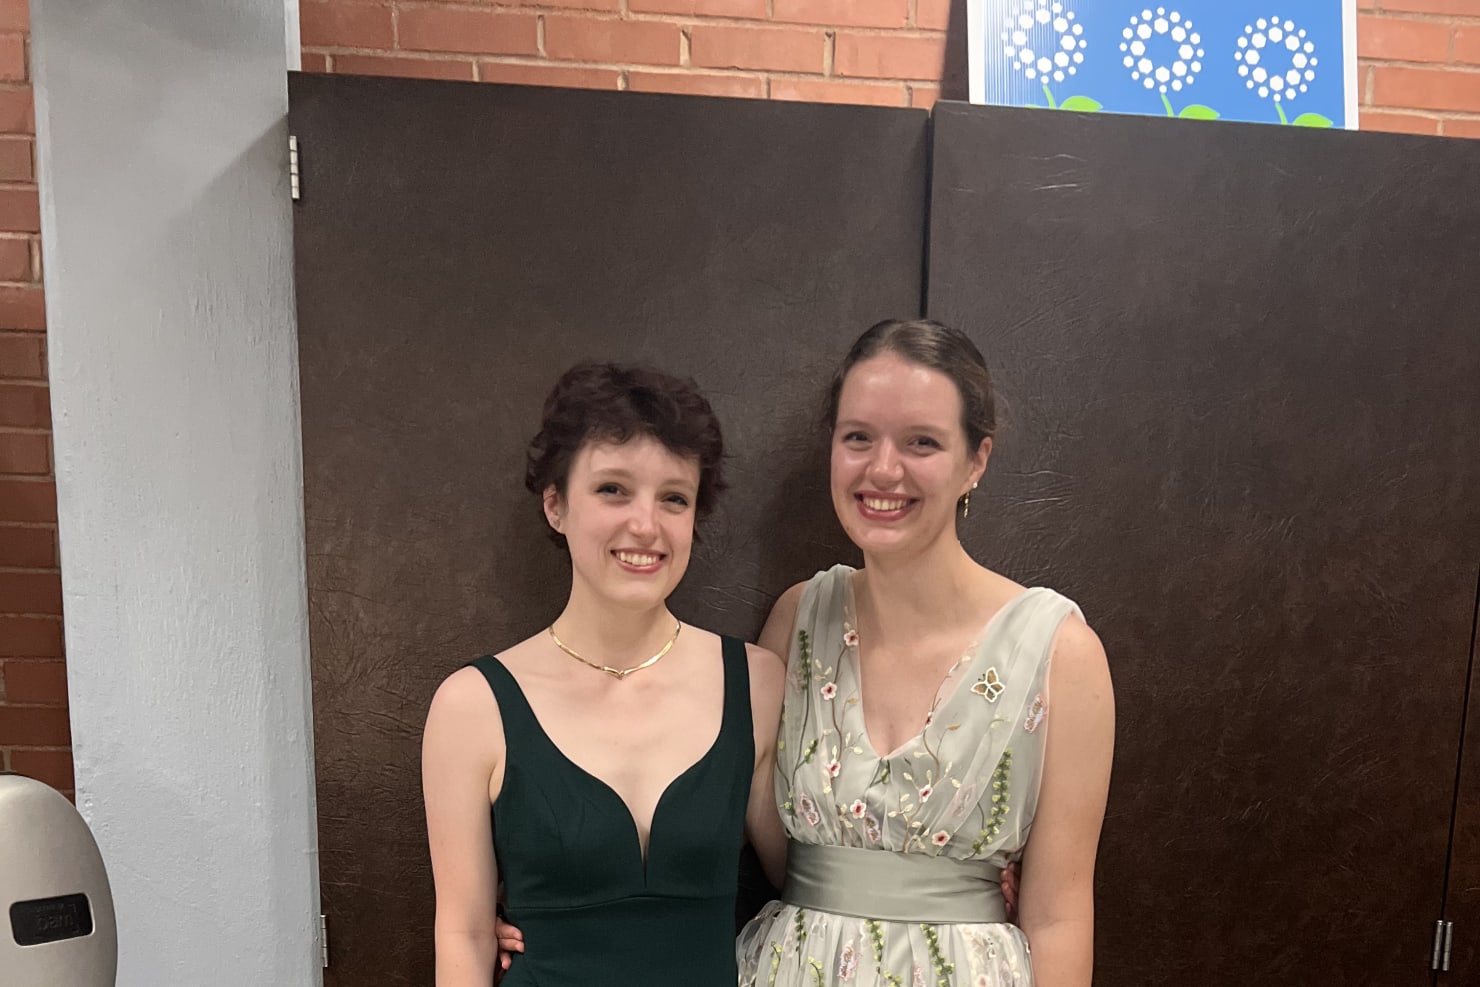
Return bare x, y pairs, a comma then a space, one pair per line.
1240, 364
1462, 899
457, 246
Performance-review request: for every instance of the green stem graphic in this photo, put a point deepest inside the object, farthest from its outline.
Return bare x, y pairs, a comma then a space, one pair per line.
1168, 104
1047, 92
1280, 106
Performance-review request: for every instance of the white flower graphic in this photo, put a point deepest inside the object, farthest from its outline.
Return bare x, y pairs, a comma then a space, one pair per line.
1276, 59
1041, 39
1162, 50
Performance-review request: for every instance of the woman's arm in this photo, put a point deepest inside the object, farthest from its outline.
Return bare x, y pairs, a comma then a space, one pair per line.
781, 624
767, 688
762, 821
1057, 910
461, 749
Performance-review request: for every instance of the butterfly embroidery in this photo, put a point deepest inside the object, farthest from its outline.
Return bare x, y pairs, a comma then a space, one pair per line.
989, 686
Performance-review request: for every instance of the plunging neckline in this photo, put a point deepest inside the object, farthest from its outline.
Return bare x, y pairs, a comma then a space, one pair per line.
601, 784
943, 696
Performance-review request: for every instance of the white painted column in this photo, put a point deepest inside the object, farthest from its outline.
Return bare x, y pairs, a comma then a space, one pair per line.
166, 230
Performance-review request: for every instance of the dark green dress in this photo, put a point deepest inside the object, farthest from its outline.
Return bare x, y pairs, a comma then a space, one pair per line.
591, 910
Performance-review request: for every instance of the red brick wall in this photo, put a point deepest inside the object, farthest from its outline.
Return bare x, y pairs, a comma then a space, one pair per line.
1420, 73
887, 52
1420, 66
34, 737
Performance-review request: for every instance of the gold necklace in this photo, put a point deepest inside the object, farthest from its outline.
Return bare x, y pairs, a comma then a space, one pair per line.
618, 673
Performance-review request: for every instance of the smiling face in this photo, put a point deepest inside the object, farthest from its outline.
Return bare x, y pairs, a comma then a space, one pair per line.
900, 456
627, 515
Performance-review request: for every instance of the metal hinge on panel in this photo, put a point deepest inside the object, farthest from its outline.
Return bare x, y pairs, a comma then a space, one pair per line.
324, 940
294, 187
1443, 935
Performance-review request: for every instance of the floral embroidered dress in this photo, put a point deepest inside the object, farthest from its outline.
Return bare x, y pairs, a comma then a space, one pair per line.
965, 788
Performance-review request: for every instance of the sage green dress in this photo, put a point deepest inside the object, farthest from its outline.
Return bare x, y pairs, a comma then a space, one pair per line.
965, 788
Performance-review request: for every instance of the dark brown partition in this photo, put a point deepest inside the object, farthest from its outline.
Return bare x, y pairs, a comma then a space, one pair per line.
1243, 430
1459, 951
457, 247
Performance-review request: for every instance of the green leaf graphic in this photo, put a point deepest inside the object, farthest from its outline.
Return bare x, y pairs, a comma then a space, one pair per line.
1197, 111
1081, 103
1311, 120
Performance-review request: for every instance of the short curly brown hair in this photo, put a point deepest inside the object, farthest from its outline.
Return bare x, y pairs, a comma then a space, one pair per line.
609, 402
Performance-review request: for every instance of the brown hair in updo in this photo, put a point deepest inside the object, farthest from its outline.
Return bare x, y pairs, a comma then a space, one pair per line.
937, 347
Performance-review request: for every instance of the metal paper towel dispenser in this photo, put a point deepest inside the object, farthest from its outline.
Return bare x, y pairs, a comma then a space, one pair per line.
59, 929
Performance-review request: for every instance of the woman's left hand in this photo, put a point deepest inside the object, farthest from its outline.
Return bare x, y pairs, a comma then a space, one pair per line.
1010, 891
510, 941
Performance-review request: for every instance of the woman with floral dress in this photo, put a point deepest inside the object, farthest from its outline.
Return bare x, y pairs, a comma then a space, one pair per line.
940, 721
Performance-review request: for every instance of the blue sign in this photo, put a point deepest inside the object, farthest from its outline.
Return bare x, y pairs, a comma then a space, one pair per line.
1267, 61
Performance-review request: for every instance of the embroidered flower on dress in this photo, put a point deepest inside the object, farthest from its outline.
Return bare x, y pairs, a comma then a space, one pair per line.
871, 829
925, 793
918, 980
1036, 712
847, 962
809, 809
982, 981
850, 637
941, 838
965, 798
989, 686
833, 767
829, 691
858, 809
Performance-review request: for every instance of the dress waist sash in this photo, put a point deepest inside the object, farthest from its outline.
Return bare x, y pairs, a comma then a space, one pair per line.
893, 887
